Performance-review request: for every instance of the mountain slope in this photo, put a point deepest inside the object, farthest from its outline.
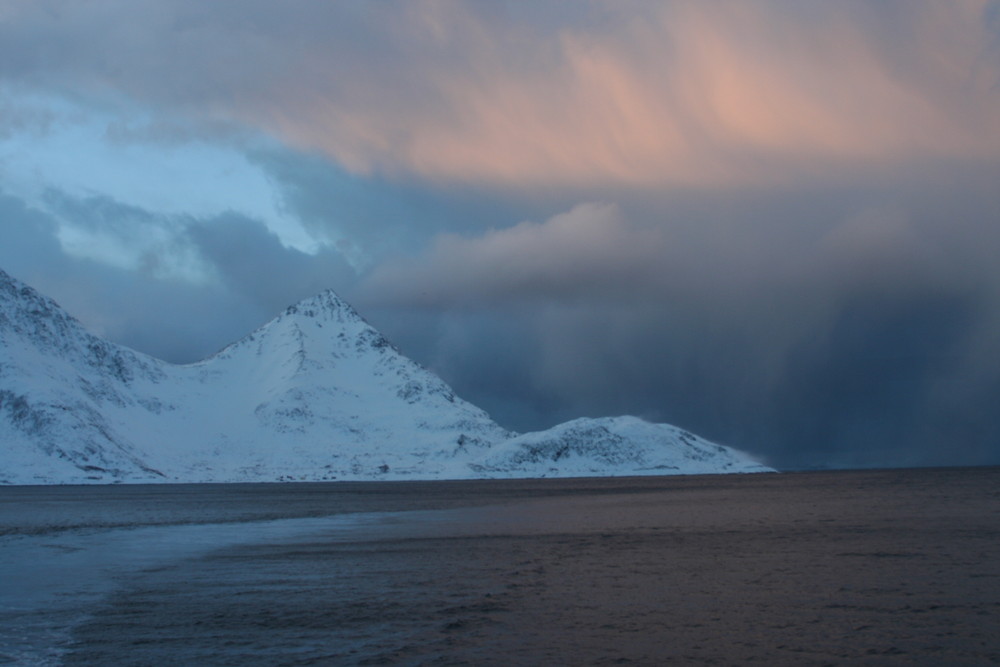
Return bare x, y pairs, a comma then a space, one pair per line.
55, 380
315, 394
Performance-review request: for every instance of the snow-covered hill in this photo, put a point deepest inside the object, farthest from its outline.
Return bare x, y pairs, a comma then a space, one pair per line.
315, 394
624, 445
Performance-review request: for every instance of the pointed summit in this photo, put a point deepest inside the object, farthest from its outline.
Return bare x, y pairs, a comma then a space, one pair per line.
321, 327
326, 305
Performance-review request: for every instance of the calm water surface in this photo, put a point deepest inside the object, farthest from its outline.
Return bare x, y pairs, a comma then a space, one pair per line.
884, 567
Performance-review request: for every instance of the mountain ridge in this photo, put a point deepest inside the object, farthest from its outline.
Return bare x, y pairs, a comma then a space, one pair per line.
314, 394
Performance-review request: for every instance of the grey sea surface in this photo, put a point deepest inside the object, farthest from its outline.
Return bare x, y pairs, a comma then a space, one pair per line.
852, 567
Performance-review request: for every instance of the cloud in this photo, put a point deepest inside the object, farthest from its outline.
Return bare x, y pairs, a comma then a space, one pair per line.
251, 262
128, 237
596, 252
368, 218
150, 298
677, 93
729, 93
584, 251
20, 117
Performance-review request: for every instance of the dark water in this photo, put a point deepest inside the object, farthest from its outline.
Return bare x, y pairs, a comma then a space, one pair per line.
898, 567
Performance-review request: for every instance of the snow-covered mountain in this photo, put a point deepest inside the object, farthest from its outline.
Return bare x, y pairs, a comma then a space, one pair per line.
315, 394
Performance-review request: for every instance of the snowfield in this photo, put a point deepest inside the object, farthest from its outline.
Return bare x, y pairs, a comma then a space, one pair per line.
315, 394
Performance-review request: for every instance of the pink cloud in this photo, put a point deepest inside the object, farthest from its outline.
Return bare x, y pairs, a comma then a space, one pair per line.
682, 92
691, 94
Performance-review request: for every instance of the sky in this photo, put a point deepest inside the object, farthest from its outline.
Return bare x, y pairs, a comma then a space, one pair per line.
772, 222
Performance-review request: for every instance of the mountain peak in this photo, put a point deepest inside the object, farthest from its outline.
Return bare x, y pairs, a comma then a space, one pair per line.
325, 305
328, 319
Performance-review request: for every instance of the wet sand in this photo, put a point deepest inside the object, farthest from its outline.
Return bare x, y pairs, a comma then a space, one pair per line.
897, 567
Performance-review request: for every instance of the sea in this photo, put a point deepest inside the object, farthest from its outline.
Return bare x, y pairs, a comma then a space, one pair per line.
879, 567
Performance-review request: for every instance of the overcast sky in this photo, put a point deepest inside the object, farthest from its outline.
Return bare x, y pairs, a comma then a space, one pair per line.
773, 222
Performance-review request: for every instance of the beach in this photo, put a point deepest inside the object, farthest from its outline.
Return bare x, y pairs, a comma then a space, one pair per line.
853, 567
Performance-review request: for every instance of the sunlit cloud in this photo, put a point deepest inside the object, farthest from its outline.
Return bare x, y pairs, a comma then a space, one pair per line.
726, 93
640, 94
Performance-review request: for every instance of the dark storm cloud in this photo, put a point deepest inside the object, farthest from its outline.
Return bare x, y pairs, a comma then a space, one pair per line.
842, 333
253, 263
